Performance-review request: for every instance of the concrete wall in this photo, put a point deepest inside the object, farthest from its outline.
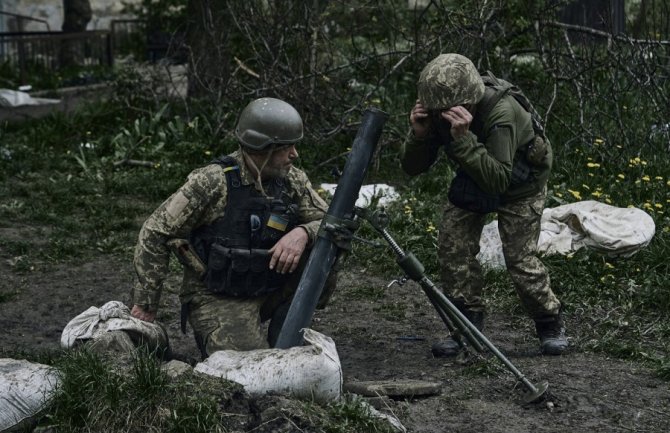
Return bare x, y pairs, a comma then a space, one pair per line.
51, 11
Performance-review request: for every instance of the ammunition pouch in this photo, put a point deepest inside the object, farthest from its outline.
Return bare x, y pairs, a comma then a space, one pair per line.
536, 151
241, 272
466, 194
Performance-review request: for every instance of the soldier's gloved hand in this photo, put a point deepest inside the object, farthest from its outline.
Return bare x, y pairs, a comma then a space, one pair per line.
142, 314
287, 252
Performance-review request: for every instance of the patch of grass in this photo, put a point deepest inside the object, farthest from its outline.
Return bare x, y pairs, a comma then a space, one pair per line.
369, 293
94, 396
392, 312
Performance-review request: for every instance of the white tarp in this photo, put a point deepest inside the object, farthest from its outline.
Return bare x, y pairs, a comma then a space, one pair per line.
610, 230
16, 98
25, 389
310, 371
385, 193
112, 316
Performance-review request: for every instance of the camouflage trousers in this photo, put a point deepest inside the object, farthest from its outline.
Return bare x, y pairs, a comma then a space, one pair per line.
235, 323
519, 228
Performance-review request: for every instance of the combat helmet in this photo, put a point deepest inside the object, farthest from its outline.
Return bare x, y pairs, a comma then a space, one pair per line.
449, 80
267, 121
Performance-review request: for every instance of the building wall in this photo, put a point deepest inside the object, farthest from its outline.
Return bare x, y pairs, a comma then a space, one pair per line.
51, 11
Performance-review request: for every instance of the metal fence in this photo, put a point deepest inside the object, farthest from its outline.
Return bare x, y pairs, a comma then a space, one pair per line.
45, 52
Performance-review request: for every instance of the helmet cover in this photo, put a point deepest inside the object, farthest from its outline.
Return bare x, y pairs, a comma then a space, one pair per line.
449, 80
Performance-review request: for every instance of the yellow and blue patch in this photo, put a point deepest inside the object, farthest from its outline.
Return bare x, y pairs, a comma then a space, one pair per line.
277, 222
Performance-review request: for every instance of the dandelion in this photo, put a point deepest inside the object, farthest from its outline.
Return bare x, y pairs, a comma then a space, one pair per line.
608, 201
621, 176
430, 228
596, 194
575, 194
598, 141
658, 178
648, 206
658, 205
645, 178
593, 165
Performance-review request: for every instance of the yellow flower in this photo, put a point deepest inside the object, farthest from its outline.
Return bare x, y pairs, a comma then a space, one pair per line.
621, 176
608, 201
609, 265
659, 178
596, 194
658, 205
208, 152
598, 141
593, 165
645, 178
430, 228
585, 186
575, 194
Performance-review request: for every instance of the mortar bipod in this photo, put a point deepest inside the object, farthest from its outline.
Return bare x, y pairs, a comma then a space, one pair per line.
455, 321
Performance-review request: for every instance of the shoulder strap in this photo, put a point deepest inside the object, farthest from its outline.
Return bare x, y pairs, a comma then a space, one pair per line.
502, 88
231, 168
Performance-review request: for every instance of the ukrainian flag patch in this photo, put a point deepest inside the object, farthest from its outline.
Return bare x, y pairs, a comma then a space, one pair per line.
277, 222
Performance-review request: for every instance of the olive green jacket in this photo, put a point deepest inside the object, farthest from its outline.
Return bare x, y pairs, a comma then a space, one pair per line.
486, 153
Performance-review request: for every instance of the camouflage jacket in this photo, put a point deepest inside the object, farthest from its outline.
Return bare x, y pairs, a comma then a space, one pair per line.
486, 156
200, 201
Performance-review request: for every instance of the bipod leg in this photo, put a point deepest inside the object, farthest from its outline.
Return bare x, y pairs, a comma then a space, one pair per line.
533, 393
455, 326
453, 331
415, 271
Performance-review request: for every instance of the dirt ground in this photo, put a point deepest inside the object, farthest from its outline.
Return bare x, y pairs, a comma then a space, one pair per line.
382, 337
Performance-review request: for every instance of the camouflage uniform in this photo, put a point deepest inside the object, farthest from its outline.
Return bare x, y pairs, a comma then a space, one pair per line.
219, 322
487, 154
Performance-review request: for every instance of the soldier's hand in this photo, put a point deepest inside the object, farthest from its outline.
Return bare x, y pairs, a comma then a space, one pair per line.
287, 252
460, 119
142, 314
418, 120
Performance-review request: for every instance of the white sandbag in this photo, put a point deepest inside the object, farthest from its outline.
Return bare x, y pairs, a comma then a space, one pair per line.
381, 191
613, 231
25, 389
17, 98
610, 230
112, 316
310, 371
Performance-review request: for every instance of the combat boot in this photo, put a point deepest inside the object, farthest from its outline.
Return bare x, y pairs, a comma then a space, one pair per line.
449, 347
551, 332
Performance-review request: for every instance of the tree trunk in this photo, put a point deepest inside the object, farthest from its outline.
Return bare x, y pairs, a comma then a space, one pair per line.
76, 16
207, 34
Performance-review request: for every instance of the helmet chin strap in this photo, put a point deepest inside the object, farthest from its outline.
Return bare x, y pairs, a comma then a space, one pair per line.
250, 161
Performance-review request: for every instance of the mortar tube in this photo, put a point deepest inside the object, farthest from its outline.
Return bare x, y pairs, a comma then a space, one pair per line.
324, 252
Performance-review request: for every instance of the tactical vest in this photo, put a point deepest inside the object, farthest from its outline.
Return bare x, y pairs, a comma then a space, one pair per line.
235, 246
